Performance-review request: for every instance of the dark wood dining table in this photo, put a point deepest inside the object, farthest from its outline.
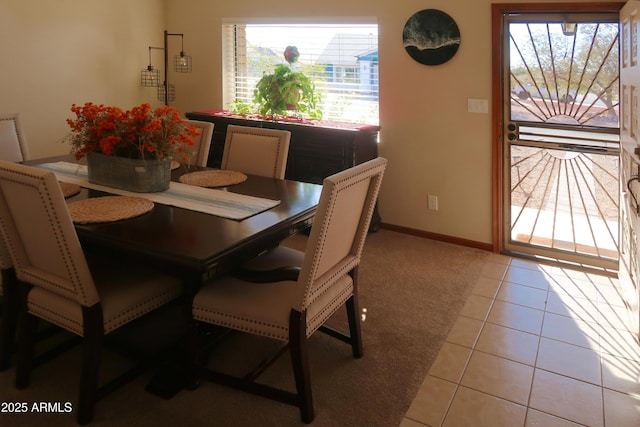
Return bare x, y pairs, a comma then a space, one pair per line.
200, 246
195, 246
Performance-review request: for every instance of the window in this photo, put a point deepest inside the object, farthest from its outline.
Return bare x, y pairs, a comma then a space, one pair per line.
341, 59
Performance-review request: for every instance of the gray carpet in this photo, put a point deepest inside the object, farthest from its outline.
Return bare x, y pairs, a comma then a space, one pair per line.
412, 289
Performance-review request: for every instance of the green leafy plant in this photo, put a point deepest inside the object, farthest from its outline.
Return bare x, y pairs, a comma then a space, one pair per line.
286, 90
239, 106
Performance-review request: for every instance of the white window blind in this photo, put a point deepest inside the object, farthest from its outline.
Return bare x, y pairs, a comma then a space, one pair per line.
341, 59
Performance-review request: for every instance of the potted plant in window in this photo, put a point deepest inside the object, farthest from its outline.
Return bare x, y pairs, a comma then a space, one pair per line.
286, 90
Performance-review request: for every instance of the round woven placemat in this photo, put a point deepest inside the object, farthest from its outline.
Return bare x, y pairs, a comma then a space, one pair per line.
108, 209
175, 164
213, 178
69, 189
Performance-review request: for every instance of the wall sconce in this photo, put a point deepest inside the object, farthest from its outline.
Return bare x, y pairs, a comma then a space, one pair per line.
182, 61
151, 77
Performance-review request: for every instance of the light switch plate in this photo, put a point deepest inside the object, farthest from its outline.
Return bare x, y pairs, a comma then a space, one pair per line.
477, 105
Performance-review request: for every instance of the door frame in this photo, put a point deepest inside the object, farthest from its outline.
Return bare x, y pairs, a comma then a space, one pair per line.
497, 113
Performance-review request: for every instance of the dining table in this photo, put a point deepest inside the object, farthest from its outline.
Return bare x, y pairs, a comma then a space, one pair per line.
199, 246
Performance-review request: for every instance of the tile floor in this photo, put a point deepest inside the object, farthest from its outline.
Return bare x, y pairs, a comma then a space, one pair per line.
535, 345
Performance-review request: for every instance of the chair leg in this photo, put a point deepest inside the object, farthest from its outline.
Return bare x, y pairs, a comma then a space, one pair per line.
354, 326
29, 326
353, 315
300, 362
194, 363
92, 351
10, 303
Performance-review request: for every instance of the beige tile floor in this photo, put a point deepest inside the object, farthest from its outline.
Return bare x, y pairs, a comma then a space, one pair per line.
535, 345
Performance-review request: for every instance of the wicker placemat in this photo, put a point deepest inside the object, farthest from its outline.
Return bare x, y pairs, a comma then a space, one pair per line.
213, 178
69, 189
175, 164
108, 209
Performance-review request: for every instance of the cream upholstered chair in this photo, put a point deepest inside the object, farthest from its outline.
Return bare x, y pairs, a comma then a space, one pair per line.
13, 143
256, 151
13, 148
304, 289
87, 299
202, 143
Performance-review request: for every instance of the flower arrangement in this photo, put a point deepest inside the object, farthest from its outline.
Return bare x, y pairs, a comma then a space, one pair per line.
141, 133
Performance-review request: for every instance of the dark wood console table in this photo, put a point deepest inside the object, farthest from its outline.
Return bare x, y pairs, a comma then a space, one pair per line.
317, 149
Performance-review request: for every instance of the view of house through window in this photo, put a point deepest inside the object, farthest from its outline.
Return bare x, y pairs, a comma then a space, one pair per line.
341, 60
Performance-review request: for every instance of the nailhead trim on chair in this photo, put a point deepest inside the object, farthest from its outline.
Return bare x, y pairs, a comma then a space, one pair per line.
56, 319
128, 315
12, 251
110, 324
63, 250
320, 318
309, 296
268, 135
317, 291
312, 324
69, 265
14, 119
230, 324
275, 166
206, 131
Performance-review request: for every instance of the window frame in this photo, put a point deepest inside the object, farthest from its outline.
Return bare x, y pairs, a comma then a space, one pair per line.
237, 84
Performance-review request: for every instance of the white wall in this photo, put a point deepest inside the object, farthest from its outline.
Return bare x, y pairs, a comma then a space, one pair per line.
55, 53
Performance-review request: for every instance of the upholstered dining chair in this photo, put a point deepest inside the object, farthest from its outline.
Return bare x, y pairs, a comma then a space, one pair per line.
201, 143
13, 143
256, 151
13, 148
88, 296
303, 289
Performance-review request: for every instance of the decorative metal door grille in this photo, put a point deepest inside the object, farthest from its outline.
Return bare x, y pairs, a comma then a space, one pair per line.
562, 137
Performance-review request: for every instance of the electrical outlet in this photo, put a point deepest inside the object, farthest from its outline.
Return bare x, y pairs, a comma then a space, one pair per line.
432, 202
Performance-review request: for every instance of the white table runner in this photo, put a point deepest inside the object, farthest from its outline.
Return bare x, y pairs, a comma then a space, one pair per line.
212, 201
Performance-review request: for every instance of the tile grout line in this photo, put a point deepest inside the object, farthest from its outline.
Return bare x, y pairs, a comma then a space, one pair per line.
535, 361
475, 342
604, 409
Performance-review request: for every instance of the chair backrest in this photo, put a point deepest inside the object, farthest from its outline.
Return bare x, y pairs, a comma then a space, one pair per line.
256, 151
13, 144
40, 236
340, 227
202, 143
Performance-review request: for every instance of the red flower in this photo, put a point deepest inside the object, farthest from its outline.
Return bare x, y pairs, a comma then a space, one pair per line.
140, 132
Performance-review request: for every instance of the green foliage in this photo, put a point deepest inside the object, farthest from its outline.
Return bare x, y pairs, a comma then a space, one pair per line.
285, 90
240, 107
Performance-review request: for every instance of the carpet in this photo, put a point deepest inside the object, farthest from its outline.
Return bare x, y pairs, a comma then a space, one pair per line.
412, 290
